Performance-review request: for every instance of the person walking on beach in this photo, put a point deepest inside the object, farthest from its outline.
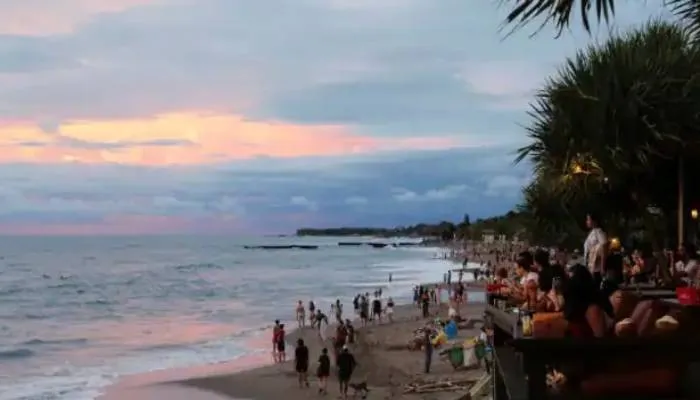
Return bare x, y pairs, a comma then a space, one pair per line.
390, 309
281, 354
346, 365
364, 310
320, 319
338, 311
301, 363
425, 304
377, 309
340, 339
312, 313
350, 331
301, 315
275, 334
323, 371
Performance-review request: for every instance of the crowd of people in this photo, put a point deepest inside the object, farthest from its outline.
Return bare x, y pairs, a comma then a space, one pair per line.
368, 309
583, 284
344, 360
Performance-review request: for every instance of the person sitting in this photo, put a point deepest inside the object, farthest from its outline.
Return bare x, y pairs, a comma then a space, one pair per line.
585, 307
687, 265
527, 279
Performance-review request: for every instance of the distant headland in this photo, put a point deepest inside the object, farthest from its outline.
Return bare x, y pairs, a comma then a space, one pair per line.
509, 224
355, 231
442, 229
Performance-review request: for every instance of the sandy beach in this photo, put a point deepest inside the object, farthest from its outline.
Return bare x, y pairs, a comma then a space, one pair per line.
384, 362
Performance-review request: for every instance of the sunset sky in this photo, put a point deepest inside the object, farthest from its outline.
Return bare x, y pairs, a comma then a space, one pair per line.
241, 116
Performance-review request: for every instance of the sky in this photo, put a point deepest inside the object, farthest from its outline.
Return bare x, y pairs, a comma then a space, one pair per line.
250, 117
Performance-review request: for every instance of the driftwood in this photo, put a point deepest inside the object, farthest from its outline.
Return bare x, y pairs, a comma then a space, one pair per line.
421, 386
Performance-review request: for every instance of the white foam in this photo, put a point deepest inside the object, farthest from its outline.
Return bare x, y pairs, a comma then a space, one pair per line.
86, 383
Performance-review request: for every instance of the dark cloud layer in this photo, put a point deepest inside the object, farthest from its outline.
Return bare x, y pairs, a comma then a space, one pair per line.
386, 189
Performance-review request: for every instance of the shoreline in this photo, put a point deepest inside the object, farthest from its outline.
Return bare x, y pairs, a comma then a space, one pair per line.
255, 376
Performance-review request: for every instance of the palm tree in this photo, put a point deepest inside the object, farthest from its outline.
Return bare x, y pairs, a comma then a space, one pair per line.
561, 12
615, 118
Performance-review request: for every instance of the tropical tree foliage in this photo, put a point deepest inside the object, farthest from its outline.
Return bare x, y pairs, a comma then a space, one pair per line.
561, 12
608, 130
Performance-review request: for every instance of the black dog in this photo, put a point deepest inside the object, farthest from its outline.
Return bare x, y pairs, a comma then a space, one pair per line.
360, 388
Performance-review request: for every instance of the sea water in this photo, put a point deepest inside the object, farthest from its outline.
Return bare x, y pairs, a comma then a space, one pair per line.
76, 313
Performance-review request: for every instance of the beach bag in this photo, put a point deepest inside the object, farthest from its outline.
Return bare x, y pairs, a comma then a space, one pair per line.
440, 339
480, 350
456, 356
451, 330
470, 358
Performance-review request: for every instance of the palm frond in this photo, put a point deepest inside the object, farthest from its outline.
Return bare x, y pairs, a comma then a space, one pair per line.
559, 12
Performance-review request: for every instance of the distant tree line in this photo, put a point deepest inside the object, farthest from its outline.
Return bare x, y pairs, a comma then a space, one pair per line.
509, 224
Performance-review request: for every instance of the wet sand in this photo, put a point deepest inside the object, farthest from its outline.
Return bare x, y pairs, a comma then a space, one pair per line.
384, 362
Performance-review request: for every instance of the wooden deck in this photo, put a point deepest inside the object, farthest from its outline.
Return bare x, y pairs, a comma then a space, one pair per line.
520, 364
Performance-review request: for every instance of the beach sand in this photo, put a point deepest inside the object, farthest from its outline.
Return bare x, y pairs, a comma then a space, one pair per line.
385, 369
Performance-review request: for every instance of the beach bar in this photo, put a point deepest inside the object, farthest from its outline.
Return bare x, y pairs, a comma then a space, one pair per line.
522, 364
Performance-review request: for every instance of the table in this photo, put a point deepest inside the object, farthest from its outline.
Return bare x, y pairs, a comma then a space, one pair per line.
649, 294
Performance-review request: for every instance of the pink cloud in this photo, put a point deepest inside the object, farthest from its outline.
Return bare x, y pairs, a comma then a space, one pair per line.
189, 138
46, 17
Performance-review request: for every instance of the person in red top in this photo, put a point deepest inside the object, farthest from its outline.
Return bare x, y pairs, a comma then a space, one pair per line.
281, 353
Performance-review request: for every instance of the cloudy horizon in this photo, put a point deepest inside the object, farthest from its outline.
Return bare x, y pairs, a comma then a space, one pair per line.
231, 116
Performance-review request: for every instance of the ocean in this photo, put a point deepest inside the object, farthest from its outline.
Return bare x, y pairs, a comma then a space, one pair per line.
77, 313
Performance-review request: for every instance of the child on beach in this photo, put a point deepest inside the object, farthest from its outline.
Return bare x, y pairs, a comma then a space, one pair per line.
390, 309
301, 363
324, 371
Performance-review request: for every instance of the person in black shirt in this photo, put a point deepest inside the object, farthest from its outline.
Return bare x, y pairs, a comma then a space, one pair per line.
425, 304
547, 272
377, 309
364, 310
346, 365
324, 370
301, 362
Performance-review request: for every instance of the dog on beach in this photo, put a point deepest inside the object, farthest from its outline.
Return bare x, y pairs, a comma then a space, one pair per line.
359, 388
